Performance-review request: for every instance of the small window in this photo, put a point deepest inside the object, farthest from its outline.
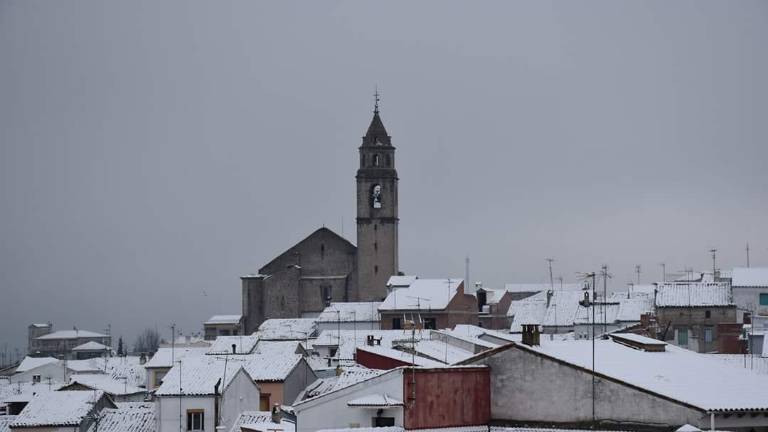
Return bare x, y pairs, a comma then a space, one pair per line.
264, 402
376, 160
35, 379
375, 227
333, 351
707, 314
430, 324
682, 337
383, 421
707, 335
376, 246
763, 299
376, 269
322, 251
195, 420
327, 295
397, 323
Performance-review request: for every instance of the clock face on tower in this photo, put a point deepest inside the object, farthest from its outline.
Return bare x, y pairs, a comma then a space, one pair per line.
376, 196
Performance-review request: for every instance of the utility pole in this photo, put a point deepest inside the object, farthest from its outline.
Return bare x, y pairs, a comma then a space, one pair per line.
173, 341
551, 281
604, 271
747, 254
637, 270
714, 268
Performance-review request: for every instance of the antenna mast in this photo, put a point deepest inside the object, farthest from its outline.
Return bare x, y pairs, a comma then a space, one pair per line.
551, 281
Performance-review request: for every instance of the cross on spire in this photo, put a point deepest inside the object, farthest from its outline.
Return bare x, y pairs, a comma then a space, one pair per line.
376, 98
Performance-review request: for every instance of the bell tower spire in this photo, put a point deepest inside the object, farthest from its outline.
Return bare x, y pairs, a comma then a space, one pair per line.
377, 212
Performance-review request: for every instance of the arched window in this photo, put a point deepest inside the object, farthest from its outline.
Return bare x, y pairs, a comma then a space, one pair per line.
375, 160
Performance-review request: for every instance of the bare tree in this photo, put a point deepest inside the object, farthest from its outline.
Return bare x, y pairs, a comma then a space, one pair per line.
147, 342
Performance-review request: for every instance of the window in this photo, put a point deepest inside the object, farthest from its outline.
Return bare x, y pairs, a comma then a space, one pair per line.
332, 352
707, 314
327, 296
763, 299
195, 420
322, 251
375, 246
430, 324
375, 227
264, 402
397, 324
376, 160
383, 421
159, 377
707, 335
375, 269
36, 379
682, 337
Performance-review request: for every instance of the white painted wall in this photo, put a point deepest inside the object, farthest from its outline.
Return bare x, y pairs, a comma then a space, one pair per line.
54, 371
168, 412
242, 394
331, 411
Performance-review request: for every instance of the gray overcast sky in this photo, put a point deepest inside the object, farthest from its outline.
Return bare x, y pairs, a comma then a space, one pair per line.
151, 152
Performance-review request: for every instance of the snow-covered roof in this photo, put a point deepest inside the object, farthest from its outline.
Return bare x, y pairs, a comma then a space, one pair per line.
350, 312
561, 310
375, 401
676, 373
250, 417
401, 281
5, 422
30, 363
672, 294
25, 391
164, 357
198, 376
400, 356
70, 334
91, 346
537, 287
604, 313
287, 329
440, 351
129, 367
106, 383
224, 319
422, 294
347, 341
259, 421
127, 417
243, 345
272, 360
61, 408
750, 277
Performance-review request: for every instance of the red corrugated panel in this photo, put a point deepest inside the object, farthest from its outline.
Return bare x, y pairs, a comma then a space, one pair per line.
447, 397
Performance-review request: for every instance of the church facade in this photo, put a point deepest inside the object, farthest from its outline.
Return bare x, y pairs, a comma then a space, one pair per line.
324, 267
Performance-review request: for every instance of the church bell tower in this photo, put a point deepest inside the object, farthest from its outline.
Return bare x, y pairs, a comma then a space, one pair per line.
376, 212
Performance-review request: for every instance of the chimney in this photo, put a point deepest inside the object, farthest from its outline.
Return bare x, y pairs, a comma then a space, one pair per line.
234, 349
550, 293
143, 358
369, 340
276, 414
531, 334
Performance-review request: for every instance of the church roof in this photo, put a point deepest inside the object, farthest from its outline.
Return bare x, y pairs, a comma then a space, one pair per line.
332, 236
376, 132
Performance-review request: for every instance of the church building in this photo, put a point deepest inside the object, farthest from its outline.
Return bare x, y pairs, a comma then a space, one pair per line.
325, 267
